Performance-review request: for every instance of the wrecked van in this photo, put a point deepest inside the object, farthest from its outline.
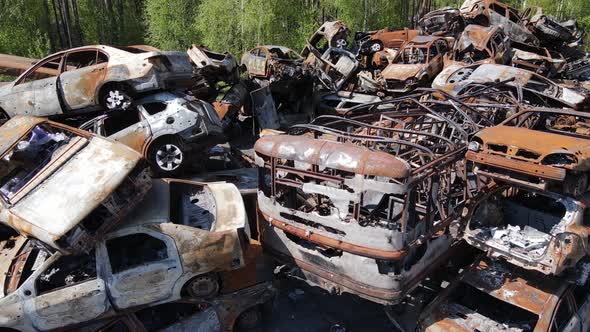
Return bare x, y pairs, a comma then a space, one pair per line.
64, 186
361, 205
545, 149
493, 296
173, 245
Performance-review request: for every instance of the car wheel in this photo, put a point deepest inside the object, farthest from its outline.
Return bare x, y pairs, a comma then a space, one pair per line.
250, 318
203, 287
116, 97
167, 156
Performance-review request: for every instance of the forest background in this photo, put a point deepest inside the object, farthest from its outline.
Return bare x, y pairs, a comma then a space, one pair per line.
35, 28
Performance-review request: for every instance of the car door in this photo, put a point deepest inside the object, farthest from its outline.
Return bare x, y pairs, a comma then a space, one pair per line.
82, 73
66, 292
143, 267
46, 90
129, 127
21, 100
565, 318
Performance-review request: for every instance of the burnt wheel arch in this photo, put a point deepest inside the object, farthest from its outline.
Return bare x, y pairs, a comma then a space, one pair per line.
109, 86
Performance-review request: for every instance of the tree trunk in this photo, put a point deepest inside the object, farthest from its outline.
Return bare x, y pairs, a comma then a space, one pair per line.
77, 22
110, 13
121, 19
58, 25
47, 21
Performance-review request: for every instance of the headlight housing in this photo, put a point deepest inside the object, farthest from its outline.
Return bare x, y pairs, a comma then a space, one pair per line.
560, 159
474, 146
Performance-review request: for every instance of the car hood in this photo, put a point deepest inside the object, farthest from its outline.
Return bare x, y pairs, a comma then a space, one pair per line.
533, 140
74, 190
401, 72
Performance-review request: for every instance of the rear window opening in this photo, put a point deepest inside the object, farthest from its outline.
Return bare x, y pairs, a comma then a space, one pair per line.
484, 312
520, 220
192, 205
29, 156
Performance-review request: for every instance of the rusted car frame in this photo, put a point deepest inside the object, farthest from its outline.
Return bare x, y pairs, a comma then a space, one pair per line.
445, 21
492, 296
538, 60
330, 34
167, 245
416, 64
40, 158
479, 45
544, 149
493, 13
361, 205
535, 230
274, 63
526, 85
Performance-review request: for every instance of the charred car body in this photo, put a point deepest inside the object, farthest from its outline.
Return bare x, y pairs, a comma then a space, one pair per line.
416, 64
355, 204
479, 45
273, 63
545, 149
165, 128
167, 245
92, 77
491, 296
40, 158
530, 87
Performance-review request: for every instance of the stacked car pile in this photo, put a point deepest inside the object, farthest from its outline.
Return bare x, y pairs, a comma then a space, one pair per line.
469, 130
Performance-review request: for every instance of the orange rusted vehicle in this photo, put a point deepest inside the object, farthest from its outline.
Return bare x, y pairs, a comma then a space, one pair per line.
479, 44
545, 149
493, 296
416, 64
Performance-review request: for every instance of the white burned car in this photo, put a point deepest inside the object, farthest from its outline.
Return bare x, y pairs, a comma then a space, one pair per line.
173, 246
166, 128
64, 186
90, 77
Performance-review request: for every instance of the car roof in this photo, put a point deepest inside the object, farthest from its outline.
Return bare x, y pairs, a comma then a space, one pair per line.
15, 128
529, 290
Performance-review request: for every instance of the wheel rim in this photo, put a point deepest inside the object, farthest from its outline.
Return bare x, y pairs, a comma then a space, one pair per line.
116, 99
203, 287
169, 157
375, 47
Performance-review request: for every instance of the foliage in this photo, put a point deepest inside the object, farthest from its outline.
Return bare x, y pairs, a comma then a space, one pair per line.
34, 28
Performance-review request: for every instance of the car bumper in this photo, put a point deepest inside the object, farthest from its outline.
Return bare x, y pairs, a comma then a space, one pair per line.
512, 165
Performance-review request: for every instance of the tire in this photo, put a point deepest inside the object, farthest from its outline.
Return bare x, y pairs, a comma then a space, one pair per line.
3, 117
167, 156
114, 97
249, 319
203, 287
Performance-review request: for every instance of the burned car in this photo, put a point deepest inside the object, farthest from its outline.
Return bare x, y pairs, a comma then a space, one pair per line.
416, 64
545, 149
533, 88
493, 296
495, 13
271, 62
330, 34
371, 42
551, 32
64, 186
210, 69
166, 128
538, 60
532, 229
446, 21
479, 45
173, 245
354, 205
92, 77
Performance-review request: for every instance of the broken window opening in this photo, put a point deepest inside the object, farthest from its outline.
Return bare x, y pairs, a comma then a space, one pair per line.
133, 250
67, 271
118, 121
411, 54
154, 108
470, 303
25, 160
81, 59
192, 205
49, 68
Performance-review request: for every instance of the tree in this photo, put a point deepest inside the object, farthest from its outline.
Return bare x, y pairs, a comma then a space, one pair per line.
170, 23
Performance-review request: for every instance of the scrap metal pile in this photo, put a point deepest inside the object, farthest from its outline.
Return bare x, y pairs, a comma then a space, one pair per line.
454, 157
